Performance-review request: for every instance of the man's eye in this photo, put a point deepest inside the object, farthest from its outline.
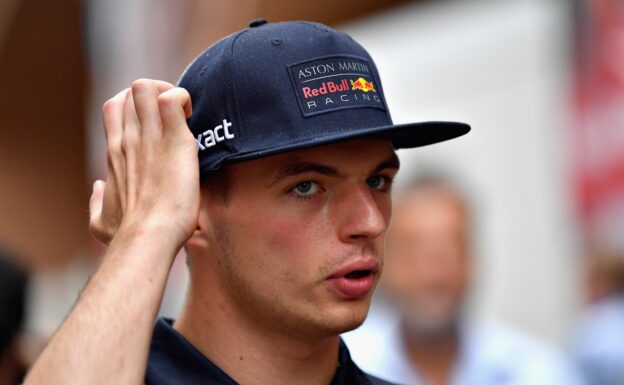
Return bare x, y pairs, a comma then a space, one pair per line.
306, 189
376, 182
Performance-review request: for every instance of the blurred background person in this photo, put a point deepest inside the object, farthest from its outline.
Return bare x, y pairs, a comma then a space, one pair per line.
599, 342
13, 285
423, 335
599, 185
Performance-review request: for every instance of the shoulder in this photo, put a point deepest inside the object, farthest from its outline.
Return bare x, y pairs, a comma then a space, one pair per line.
603, 318
378, 381
519, 355
599, 340
173, 360
377, 348
498, 340
377, 335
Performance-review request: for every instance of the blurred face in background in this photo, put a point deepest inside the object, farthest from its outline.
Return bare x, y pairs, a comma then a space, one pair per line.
427, 270
604, 273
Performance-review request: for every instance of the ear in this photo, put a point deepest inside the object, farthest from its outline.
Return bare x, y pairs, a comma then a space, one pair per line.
204, 232
198, 240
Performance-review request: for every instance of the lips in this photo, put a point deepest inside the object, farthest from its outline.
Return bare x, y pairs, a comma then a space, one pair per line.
354, 280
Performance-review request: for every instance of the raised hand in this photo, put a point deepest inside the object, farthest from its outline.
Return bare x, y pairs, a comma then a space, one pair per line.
145, 211
153, 173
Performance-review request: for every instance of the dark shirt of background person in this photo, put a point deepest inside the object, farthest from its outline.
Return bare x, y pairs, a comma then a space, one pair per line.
13, 285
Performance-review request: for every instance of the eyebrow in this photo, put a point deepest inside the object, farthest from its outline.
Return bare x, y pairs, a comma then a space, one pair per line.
392, 163
301, 167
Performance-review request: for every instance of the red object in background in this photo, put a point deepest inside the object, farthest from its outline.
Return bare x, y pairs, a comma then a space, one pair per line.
599, 104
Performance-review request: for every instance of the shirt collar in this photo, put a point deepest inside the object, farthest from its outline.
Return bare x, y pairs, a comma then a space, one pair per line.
172, 359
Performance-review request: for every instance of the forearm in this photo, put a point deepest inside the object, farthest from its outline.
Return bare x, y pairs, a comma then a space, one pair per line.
147, 209
106, 337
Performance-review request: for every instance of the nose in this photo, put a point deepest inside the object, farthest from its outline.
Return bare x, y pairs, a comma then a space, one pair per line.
361, 217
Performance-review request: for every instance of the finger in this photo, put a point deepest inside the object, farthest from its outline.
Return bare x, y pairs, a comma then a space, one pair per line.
96, 227
95, 202
174, 107
112, 114
131, 124
161, 85
164, 87
188, 106
145, 95
130, 145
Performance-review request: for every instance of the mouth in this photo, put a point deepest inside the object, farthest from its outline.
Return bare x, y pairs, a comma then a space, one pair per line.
354, 280
358, 274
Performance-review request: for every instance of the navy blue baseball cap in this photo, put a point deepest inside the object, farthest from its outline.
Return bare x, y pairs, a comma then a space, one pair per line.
277, 87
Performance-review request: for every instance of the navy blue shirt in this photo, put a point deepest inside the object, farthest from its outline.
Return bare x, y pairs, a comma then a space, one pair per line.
173, 360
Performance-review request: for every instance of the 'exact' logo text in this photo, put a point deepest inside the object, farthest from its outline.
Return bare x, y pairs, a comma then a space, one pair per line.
218, 134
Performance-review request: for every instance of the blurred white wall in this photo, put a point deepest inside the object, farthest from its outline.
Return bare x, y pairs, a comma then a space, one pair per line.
503, 67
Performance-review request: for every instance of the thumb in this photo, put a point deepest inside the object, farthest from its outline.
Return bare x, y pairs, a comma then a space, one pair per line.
95, 202
95, 210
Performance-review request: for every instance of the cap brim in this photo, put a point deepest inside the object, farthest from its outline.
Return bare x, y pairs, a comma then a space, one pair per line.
402, 136
421, 134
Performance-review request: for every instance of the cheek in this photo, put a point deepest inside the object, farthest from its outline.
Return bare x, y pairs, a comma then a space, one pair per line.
385, 207
294, 237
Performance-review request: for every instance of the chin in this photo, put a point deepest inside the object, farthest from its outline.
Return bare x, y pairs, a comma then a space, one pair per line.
344, 317
354, 324
431, 323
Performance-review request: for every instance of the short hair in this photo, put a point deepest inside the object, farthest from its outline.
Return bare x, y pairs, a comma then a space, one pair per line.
609, 260
218, 183
453, 187
434, 180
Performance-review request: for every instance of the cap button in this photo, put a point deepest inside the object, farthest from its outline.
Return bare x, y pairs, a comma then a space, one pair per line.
257, 22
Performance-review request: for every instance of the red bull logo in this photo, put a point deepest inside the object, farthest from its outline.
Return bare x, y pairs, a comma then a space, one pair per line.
362, 85
331, 83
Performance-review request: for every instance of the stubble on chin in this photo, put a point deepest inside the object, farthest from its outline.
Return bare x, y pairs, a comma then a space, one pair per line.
328, 318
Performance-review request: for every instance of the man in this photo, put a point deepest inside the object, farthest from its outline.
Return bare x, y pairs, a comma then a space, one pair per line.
599, 340
284, 235
426, 339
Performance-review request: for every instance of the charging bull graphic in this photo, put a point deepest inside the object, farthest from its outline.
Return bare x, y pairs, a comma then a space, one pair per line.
362, 85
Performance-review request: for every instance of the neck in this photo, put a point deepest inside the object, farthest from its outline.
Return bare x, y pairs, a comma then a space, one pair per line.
250, 353
435, 357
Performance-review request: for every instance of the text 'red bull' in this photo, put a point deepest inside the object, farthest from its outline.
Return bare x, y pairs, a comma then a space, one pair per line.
326, 88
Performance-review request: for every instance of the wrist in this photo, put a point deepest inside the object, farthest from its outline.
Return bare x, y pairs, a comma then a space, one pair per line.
150, 234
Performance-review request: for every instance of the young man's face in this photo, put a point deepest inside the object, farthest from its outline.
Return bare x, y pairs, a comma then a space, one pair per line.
300, 239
